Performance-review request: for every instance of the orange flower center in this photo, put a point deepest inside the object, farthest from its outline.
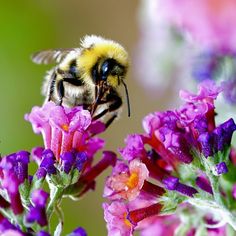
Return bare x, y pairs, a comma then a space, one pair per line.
132, 182
127, 222
65, 127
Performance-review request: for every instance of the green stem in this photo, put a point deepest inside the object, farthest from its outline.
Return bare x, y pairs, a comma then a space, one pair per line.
55, 199
218, 204
214, 180
17, 219
60, 214
231, 219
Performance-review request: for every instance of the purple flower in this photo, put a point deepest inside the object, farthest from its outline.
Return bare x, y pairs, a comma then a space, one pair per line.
68, 160
206, 141
48, 161
221, 168
204, 184
134, 147
37, 212
80, 161
200, 125
14, 170
17, 163
212, 142
78, 232
41, 173
39, 197
206, 65
168, 137
36, 153
172, 183
8, 229
223, 134
42, 233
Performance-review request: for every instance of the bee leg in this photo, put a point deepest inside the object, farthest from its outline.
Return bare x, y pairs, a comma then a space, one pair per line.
115, 103
61, 91
108, 123
101, 114
99, 93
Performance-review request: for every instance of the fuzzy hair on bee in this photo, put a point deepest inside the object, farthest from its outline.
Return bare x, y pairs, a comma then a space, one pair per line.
89, 75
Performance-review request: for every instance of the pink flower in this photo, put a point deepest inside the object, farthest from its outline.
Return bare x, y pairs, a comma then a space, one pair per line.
134, 147
207, 91
161, 225
121, 221
64, 129
11, 232
127, 184
116, 217
211, 23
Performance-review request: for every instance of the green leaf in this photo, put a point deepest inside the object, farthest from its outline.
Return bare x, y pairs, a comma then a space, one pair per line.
24, 190
75, 176
170, 202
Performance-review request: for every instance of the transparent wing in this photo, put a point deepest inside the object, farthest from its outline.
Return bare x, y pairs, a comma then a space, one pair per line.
50, 56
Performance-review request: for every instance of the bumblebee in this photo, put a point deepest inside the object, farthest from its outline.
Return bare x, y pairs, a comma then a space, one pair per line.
89, 76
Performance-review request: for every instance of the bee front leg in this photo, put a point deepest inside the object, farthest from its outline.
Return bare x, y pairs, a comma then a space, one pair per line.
108, 123
115, 103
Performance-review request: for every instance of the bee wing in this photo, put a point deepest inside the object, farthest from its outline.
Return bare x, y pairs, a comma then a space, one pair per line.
50, 56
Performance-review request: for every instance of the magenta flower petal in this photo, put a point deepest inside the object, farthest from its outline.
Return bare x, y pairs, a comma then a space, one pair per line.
115, 216
65, 129
80, 121
134, 147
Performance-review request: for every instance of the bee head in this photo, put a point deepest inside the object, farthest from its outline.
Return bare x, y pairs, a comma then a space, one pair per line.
111, 71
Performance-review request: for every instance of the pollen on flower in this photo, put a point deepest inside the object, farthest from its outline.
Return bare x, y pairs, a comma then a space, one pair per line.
127, 222
65, 127
132, 182
128, 182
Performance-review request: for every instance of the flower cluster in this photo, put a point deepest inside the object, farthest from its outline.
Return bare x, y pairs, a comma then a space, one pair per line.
66, 163
24, 208
211, 24
177, 163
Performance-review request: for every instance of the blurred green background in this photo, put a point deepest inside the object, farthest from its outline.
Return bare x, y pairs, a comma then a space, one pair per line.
29, 26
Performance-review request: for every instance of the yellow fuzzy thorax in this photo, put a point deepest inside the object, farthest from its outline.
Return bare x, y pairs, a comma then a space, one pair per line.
109, 49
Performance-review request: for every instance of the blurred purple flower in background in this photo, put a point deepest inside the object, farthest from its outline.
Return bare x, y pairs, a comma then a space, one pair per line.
210, 23
184, 39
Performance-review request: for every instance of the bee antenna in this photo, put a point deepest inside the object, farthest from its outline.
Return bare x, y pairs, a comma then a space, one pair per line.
127, 97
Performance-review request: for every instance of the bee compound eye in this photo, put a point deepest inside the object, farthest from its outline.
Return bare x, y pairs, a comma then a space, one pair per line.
73, 68
105, 68
108, 67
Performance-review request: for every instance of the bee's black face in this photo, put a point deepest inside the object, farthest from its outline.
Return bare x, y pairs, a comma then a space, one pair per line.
111, 67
